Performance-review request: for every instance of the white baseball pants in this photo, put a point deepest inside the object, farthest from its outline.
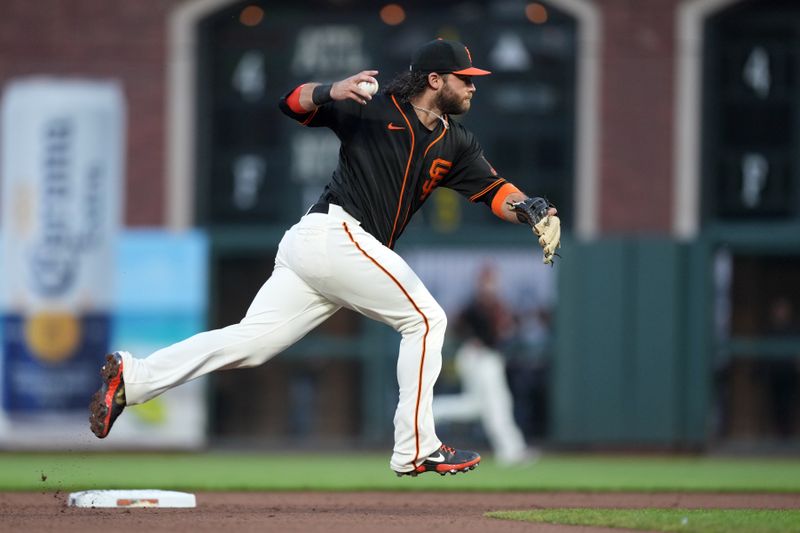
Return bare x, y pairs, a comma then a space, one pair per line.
324, 262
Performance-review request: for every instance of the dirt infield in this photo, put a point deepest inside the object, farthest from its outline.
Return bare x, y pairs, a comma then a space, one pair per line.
349, 512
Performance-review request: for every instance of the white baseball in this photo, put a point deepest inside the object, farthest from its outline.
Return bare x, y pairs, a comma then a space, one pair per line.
368, 87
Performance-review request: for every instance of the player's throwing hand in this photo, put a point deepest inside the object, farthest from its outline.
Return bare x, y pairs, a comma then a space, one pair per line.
348, 87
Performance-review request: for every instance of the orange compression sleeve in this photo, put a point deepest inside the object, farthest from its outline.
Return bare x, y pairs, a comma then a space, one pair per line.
293, 101
499, 200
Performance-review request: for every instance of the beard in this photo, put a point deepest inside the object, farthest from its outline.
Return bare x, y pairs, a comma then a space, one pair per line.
449, 103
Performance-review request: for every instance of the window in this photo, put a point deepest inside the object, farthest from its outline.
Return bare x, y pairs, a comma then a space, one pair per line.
257, 166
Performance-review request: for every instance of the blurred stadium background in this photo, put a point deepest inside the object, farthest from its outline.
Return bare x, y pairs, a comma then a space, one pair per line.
147, 177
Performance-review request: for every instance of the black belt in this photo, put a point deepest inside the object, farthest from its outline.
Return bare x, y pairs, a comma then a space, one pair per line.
321, 207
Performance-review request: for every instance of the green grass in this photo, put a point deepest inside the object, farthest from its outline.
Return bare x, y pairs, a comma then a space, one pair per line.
273, 472
679, 520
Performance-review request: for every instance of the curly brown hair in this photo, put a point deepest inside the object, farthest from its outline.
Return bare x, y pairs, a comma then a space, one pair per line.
406, 85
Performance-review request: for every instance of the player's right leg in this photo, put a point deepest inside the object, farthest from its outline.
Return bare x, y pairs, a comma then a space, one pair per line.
283, 311
375, 281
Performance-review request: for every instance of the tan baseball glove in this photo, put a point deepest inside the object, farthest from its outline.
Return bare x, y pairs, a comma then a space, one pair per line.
549, 232
534, 211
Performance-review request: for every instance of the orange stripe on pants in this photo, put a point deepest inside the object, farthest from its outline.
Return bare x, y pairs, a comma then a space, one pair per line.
424, 337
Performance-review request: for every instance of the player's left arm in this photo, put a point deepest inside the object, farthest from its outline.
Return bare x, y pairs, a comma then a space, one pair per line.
503, 201
515, 206
475, 178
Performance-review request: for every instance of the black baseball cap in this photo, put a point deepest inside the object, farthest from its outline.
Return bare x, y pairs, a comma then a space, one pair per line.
445, 57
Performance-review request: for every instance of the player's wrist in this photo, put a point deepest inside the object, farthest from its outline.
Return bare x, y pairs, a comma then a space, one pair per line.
321, 94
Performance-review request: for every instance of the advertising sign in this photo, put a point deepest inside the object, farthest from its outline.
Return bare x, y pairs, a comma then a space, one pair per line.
62, 170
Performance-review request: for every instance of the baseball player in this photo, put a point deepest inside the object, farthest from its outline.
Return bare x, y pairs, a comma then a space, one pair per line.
485, 325
396, 148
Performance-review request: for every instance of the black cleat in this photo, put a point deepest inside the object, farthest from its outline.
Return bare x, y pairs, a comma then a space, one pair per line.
446, 460
109, 401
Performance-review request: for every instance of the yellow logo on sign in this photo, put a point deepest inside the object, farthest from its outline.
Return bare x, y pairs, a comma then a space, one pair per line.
52, 336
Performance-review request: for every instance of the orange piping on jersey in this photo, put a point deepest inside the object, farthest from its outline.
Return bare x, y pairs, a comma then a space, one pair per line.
487, 189
306, 121
405, 175
499, 201
436, 140
424, 337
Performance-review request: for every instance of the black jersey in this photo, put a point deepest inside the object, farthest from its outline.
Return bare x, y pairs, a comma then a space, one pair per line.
389, 163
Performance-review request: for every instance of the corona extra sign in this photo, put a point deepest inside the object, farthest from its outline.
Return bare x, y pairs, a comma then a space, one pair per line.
62, 167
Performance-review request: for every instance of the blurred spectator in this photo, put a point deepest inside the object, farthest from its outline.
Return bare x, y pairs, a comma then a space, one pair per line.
528, 369
781, 375
484, 325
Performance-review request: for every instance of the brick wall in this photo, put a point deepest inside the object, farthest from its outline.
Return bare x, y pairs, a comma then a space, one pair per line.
127, 41
121, 40
636, 148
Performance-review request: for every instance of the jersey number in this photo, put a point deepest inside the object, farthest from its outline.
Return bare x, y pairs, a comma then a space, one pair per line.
439, 169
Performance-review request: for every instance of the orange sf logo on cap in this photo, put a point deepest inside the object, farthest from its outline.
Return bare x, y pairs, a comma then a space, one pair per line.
468, 55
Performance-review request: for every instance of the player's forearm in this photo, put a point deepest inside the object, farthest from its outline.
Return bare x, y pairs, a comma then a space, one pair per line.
306, 96
502, 208
309, 96
506, 213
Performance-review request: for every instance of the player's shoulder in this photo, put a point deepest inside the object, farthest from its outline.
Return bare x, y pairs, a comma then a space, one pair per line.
457, 127
461, 133
379, 104
382, 101
455, 122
